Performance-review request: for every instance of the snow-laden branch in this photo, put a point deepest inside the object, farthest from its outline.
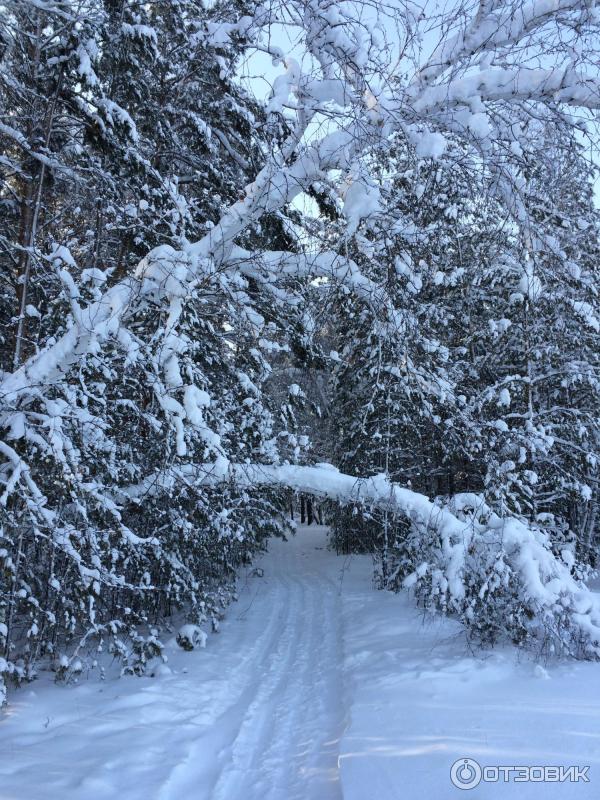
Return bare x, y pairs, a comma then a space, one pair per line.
96, 322
499, 28
558, 86
325, 264
166, 272
344, 52
478, 560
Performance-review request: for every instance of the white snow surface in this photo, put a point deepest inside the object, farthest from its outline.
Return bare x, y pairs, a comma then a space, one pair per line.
317, 687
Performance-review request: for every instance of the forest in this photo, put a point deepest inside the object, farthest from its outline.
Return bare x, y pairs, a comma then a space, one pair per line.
258, 253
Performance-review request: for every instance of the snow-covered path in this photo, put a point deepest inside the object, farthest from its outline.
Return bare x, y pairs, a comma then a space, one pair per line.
258, 714
316, 688
287, 720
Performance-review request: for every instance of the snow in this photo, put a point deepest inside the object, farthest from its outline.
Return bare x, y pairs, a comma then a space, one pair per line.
473, 547
479, 125
116, 113
87, 53
504, 398
419, 700
586, 312
323, 91
195, 400
191, 636
361, 200
94, 276
283, 85
139, 31
496, 83
317, 687
62, 255
430, 144
529, 284
345, 52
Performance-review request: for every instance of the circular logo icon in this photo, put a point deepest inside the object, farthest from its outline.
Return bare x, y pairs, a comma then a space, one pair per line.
465, 773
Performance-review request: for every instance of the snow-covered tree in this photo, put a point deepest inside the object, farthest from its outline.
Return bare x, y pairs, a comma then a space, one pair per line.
537, 361
142, 373
467, 302
81, 567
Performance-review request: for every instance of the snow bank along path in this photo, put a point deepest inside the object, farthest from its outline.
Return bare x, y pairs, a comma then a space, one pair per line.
316, 688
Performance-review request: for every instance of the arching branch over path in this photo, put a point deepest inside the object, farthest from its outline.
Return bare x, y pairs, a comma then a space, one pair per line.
461, 545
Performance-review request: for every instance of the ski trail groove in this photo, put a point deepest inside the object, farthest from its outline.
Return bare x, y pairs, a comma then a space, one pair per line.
276, 737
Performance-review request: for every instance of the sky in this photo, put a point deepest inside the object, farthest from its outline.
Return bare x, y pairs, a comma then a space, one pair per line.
258, 72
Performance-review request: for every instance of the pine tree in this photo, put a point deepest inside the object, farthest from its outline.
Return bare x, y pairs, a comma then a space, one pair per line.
87, 564
395, 392
538, 391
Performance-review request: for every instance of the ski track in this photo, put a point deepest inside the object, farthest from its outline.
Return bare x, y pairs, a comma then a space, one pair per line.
256, 716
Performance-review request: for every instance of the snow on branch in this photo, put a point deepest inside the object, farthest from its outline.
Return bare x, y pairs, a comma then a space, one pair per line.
471, 562
345, 51
325, 264
558, 86
501, 27
481, 567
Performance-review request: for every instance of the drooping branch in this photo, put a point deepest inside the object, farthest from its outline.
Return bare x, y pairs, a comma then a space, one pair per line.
554, 599
371, 119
